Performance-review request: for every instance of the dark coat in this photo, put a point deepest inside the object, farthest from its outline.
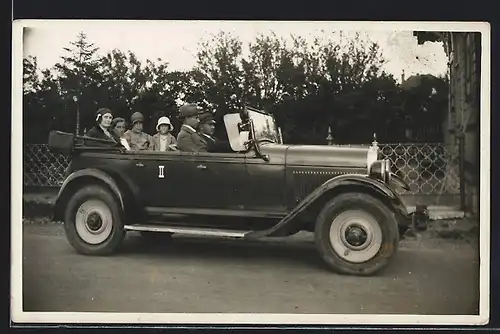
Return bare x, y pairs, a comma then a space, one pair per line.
215, 145
190, 141
98, 133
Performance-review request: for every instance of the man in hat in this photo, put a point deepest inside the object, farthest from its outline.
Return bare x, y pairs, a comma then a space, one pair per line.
137, 139
206, 128
163, 140
188, 139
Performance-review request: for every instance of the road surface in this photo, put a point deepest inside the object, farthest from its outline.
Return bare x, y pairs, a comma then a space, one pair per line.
211, 275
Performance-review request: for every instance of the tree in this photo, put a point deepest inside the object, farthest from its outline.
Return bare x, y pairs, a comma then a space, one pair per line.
331, 81
41, 102
425, 99
262, 85
31, 82
162, 95
79, 77
124, 78
219, 75
339, 84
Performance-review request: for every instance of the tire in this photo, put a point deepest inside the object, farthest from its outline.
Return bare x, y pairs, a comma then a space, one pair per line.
347, 212
100, 205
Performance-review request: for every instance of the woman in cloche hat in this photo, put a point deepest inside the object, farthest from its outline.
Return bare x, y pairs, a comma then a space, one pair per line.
101, 130
164, 140
137, 139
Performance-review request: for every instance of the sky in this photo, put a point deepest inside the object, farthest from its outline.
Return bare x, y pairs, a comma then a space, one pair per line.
177, 41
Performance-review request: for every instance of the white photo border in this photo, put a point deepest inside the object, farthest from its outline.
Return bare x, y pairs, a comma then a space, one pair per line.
19, 316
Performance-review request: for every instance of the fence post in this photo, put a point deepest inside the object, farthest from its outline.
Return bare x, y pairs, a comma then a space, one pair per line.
461, 152
329, 138
75, 99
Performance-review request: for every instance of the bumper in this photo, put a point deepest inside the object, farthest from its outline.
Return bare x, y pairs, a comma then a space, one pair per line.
417, 220
420, 218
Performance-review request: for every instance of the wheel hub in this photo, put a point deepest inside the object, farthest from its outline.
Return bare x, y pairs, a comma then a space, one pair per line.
94, 222
356, 236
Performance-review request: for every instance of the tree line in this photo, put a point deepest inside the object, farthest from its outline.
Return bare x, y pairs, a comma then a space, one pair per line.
307, 86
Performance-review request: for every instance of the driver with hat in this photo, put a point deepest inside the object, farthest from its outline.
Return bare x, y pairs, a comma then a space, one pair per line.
206, 128
188, 139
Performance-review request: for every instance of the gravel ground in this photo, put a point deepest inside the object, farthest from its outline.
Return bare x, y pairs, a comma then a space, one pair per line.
188, 274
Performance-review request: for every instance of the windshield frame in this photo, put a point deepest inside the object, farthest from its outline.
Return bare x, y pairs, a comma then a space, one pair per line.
240, 128
264, 125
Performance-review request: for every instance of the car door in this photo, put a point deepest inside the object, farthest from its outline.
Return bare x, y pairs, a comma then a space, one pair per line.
168, 180
151, 174
265, 182
216, 181
185, 182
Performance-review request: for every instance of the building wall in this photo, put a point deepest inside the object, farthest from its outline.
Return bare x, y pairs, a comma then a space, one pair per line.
464, 52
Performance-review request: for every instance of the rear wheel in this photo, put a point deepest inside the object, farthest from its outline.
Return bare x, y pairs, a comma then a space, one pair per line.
93, 221
356, 234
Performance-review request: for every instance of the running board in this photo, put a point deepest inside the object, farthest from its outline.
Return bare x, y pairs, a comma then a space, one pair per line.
187, 230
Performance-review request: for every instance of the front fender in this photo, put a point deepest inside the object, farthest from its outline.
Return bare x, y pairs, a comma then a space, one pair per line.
343, 183
62, 196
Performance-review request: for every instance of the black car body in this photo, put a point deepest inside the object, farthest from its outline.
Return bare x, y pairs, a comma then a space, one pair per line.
265, 188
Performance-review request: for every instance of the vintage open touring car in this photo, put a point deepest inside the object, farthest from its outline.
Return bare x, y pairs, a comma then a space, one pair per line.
265, 188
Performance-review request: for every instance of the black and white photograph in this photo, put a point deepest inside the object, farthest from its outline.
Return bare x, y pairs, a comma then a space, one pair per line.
250, 172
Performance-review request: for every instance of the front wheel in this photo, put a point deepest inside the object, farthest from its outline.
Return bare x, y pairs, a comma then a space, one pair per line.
356, 234
93, 221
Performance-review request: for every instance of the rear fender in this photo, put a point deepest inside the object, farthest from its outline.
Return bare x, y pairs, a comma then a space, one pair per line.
85, 175
332, 187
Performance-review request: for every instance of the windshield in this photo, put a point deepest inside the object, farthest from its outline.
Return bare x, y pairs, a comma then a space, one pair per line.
265, 126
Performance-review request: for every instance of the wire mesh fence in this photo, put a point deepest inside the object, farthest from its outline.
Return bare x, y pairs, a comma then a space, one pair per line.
429, 169
41, 167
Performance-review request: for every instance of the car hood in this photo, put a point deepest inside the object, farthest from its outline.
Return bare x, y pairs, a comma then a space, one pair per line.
327, 156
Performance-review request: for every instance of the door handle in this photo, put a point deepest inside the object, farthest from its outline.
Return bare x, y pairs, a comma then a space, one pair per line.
139, 164
201, 167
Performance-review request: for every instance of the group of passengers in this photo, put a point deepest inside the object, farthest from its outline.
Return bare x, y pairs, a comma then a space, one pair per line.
195, 135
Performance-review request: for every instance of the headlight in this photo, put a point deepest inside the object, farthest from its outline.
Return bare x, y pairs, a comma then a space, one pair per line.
387, 170
371, 156
381, 169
